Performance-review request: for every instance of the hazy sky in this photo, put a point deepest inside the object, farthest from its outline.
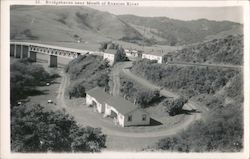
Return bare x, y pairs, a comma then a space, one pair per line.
234, 14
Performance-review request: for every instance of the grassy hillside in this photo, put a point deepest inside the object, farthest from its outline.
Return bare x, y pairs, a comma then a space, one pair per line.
177, 32
67, 24
59, 23
227, 50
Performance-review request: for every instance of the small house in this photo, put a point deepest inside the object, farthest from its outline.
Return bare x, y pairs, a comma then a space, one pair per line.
154, 55
123, 112
96, 98
110, 56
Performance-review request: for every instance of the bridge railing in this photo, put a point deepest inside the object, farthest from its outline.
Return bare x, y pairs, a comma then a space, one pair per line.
56, 50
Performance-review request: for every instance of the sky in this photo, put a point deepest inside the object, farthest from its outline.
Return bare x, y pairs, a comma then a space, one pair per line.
234, 14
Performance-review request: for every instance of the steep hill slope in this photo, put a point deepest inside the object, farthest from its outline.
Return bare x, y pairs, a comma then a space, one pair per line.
68, 24
177, 32
58, 23
227, 50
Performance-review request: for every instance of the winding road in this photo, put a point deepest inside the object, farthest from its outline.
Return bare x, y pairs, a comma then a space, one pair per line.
85, 116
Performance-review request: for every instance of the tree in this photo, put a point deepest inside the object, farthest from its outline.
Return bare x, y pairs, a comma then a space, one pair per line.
24, 76
34, 129
83, 140
120, 55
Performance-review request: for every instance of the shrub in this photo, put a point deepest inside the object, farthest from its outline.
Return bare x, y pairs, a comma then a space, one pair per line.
174, 106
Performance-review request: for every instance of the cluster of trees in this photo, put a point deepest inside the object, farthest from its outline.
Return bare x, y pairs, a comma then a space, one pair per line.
227, 50
222, 127
189, 81
137, 94
34, 129
24, 77
86, 72
120, 52
174, 106
222, 131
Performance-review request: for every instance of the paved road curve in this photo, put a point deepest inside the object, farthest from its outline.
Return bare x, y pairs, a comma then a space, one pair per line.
88, 117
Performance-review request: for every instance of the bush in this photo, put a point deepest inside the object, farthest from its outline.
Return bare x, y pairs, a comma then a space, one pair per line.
174, 106
76, 90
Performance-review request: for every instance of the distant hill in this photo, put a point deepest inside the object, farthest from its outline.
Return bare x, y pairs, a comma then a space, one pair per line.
177, 32
67, 24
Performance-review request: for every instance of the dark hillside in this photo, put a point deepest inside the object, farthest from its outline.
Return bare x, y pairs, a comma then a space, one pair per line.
227, 50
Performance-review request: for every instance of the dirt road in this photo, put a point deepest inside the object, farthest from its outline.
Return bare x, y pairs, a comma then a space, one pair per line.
148, 84
205, 65
115, 76
61, 91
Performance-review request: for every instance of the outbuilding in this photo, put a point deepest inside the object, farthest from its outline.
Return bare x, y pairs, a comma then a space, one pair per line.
123, 112
154, 55
96, 98
110, 55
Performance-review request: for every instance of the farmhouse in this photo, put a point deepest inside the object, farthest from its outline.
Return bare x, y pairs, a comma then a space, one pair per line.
110, 56
154, 55
122, 111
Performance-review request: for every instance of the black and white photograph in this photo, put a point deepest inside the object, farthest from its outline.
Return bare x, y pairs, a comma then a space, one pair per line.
114, 76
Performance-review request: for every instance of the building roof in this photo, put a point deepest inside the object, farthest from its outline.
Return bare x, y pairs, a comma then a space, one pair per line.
110, 51
155, 52
121, 105
99, 94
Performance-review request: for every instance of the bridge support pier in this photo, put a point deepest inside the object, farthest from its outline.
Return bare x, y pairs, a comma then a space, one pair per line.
52, 61
12, 50
17, 53
25, 51
32, 56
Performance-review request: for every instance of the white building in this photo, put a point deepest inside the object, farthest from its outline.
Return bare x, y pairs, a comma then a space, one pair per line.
110, 56
96, 98
122, 111
131, 53
153, 56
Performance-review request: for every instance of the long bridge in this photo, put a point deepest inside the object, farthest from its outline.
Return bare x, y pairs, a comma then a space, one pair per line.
30, 50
